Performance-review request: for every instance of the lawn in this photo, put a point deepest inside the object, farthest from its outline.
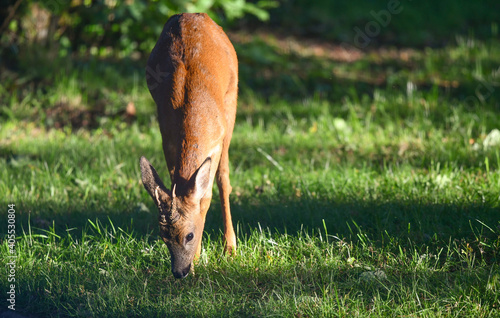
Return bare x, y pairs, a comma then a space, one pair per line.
364, 184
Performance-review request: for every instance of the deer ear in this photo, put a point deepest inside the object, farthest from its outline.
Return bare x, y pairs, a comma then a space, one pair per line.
198, 185
152, 182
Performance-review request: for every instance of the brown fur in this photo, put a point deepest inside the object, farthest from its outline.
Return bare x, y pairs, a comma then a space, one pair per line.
195, 90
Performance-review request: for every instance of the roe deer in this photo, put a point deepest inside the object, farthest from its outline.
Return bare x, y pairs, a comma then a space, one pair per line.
192, 74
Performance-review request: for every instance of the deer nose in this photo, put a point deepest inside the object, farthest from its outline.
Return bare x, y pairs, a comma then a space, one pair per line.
183, 273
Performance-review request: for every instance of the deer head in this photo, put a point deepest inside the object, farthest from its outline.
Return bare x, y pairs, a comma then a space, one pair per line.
180, 217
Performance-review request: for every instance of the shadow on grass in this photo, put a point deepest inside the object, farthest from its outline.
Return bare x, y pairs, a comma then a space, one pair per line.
314, 279
411, 222
385, 228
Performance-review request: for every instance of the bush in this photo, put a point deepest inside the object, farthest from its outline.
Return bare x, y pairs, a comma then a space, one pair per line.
128, 26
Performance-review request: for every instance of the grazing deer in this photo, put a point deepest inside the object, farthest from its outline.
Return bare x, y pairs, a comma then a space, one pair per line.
192, 74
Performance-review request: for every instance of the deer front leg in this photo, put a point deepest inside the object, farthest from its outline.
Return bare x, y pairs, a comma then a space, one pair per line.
224, 191
204, 206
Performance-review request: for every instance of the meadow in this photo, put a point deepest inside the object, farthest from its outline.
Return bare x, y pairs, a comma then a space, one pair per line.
365, 183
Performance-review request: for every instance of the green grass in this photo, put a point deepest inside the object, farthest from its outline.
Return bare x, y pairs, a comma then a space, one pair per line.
352, 195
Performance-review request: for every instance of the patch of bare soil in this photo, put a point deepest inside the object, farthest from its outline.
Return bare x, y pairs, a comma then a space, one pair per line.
63, 114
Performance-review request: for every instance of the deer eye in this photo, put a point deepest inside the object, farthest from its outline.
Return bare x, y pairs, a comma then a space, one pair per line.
189, 237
